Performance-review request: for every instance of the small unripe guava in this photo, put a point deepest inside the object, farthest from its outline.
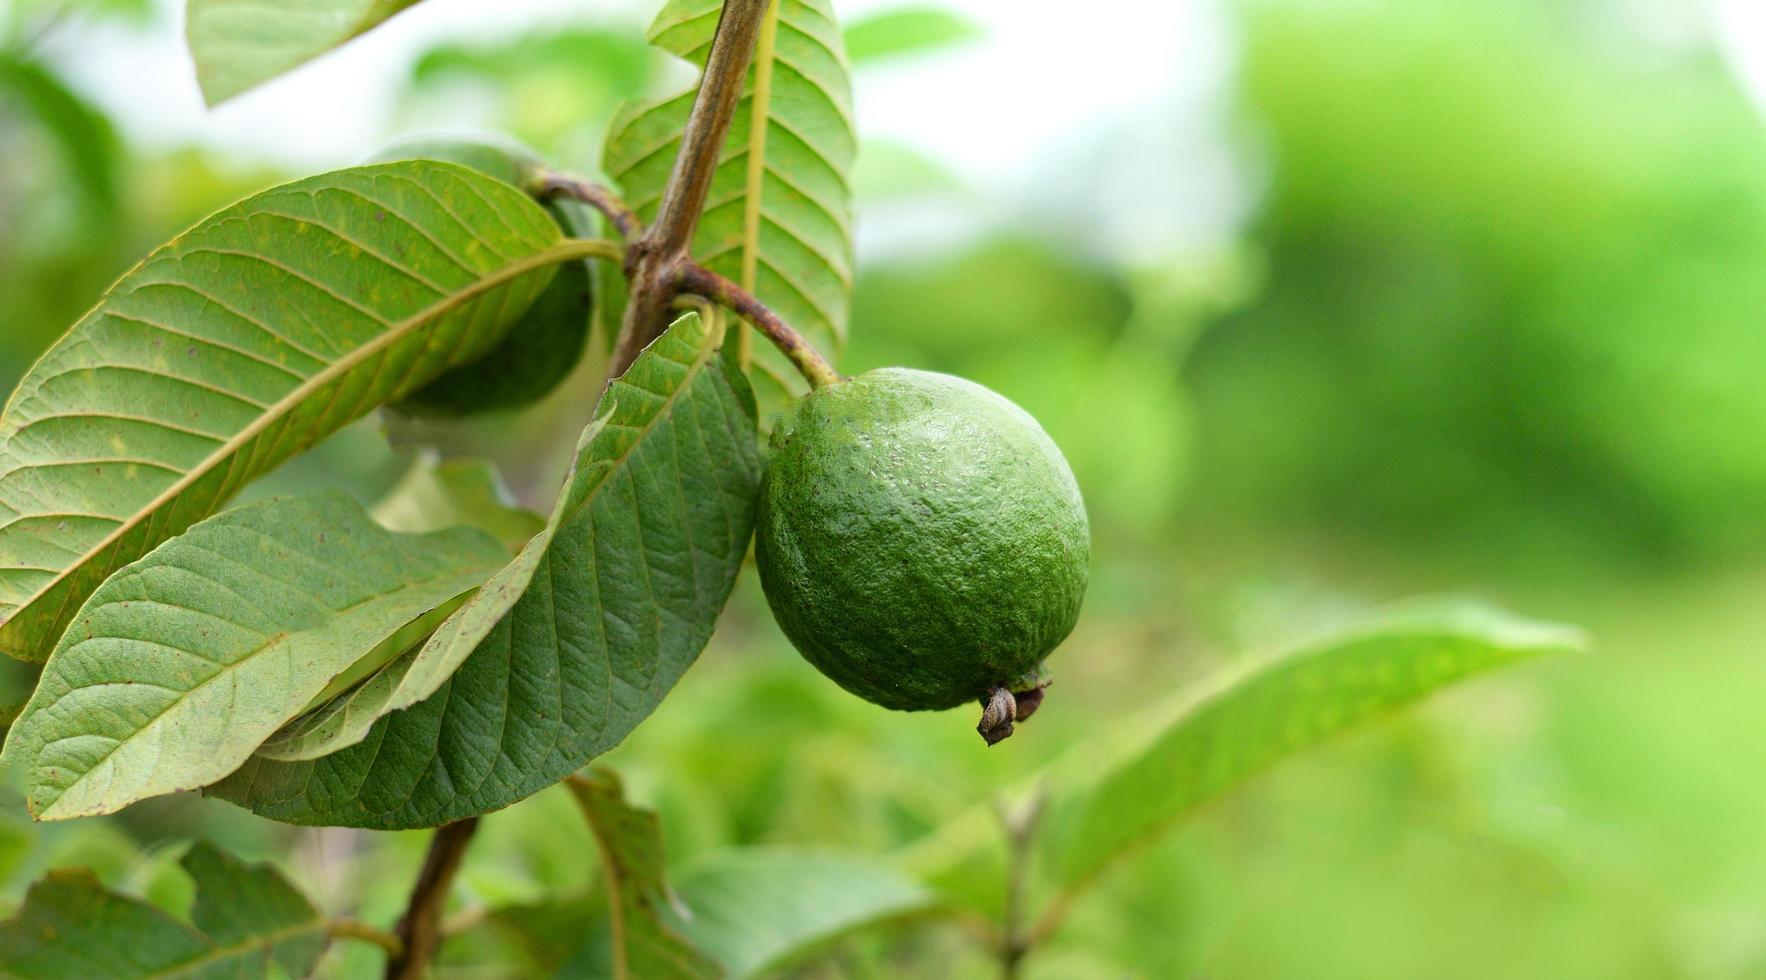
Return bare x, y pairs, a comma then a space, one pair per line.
922, 541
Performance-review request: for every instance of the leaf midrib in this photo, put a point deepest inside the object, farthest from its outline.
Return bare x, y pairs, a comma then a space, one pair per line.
264, 941
759, 116
281, 408
708, 342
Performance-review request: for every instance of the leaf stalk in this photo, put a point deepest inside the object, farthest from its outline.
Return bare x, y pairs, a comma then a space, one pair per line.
700, 281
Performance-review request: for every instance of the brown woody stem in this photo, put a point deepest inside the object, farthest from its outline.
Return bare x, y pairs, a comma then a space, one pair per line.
701, 281
419, 932
654, 260
551, 183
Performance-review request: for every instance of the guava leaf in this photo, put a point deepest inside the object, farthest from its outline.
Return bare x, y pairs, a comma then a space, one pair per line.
779, 218
565, 650
900, 31
435, 494
1099, 811
239, 44
541, 350
237, 345
244, 918
182, 663
645, 938
88, 143
756, 910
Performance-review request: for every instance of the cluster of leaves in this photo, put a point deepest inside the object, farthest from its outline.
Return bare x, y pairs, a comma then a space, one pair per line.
448, 655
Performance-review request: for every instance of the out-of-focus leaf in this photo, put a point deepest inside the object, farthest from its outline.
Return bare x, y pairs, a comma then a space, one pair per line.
779, 217
441, 493
645, 939
253, 907
756, 910
906, 30
613, 60
245, 918
1099, 813
87, 141
239, 44
240, 343
1282, 710
576, 641
184, 662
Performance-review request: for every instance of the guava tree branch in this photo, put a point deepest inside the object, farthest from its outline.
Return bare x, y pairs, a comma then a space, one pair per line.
419, 931
654, 260
700, 281
692, 279
624, 220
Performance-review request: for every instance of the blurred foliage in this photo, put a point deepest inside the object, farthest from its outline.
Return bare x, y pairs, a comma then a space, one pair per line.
552, 89
1513, 287
898, 31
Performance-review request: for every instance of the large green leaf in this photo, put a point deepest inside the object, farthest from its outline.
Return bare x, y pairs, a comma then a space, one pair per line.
645, 938
567, 649
755, 910
238, 44
245, 917
184, 662
779, 218
239, 344
1099, 811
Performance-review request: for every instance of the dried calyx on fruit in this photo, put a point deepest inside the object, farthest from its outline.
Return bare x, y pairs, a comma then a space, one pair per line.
923, 543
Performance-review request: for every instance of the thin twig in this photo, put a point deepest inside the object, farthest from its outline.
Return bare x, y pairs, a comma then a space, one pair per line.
351, 929
1020, 827
654, 259
701, 281
551, 183
419, 931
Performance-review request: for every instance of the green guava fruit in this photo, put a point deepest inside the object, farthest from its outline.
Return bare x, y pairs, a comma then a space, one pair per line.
922, 542
548, 342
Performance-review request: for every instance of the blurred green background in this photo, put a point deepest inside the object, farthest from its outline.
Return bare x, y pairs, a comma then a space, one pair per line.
1488, 320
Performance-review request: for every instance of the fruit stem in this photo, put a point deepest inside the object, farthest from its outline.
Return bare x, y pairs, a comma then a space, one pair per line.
998, 710
548, 184
697, 279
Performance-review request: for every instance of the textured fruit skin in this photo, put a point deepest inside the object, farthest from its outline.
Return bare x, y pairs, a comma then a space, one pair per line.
920, 538
549, 340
